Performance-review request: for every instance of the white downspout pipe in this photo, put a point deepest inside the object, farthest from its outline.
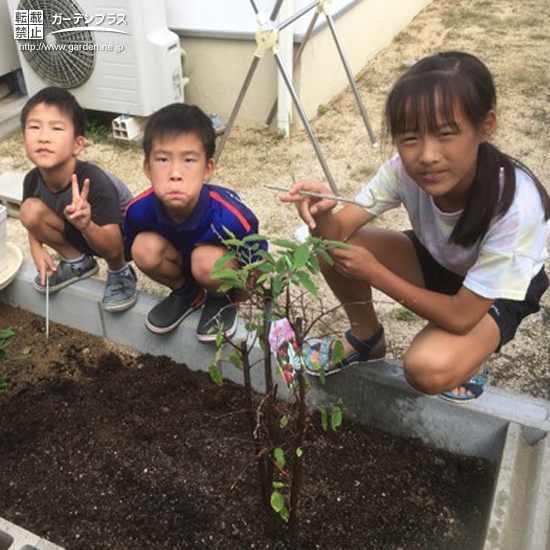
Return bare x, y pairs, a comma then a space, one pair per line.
286, 54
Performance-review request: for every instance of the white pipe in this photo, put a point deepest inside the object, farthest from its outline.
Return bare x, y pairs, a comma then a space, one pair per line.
286, 54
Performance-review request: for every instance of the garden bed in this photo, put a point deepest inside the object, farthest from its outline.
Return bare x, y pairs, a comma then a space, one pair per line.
101, 447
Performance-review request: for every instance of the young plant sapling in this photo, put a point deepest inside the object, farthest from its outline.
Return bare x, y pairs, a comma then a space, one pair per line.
277, 317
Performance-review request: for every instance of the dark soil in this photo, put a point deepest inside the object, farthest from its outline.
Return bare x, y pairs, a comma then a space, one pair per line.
104, 449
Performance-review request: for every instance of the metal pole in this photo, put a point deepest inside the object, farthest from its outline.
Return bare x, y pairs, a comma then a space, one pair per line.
285, 48
351, 81
254, 7
246, 84
47, 305
307, 126
273, 111
296, 16
274, 11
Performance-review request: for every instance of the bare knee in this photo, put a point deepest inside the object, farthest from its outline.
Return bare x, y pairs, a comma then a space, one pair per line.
147, 252
426, 371
203, 259
32, 212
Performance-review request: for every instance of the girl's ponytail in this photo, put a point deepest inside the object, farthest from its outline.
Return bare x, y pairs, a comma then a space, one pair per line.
488, 198
485, 200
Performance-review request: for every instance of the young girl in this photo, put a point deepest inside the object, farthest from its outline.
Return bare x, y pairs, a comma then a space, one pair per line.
473, 263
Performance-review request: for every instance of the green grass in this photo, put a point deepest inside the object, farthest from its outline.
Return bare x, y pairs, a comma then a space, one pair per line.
403, 314
97, 129
322, 110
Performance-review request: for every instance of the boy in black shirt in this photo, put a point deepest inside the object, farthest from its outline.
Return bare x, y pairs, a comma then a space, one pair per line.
73, 207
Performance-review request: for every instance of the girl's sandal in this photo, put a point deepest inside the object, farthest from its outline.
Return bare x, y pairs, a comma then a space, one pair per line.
474, 388
317, 356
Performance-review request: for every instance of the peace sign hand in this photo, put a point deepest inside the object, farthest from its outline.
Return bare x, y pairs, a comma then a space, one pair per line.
79, 212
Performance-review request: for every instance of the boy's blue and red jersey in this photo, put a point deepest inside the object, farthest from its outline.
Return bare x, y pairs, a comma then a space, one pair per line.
217, 208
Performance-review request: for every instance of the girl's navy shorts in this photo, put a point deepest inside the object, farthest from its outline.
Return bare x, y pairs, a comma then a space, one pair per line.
507, 314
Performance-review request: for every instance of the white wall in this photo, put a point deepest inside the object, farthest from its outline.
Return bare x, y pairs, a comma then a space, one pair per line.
231, 18
217, 65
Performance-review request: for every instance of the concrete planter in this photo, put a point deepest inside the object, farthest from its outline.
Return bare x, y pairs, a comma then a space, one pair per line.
510, 430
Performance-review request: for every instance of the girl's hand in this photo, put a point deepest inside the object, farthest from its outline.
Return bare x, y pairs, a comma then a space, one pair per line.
309, 207
79, 212
44, 264
355, 263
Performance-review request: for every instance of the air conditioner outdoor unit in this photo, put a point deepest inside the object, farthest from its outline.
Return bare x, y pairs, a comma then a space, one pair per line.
9, 61
117, 57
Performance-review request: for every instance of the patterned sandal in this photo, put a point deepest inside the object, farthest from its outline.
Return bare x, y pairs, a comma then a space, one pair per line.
474, 386
317, 355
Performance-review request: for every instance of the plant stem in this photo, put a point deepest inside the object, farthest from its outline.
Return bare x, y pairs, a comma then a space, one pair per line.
297, 462
262, 459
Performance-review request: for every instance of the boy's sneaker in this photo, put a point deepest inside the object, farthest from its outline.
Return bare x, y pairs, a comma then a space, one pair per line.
217, 311
120, 291
68, 273
169, 313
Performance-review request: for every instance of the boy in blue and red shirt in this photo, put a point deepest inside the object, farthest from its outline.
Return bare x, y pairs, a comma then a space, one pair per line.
174, 230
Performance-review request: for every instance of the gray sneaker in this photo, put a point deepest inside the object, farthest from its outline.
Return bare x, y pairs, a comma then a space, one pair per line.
120, 291
66, 274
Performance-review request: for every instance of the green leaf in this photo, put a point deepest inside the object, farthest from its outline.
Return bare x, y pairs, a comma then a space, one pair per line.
279, 456
216, 375
277, 502
226, 274
336, 244
284, 421
324, 419
281, 265
276, 286
299, 452
301, 256
313, 264
254, 237
337, 351
235, 359
278, 485
228, 232
307, 283
325, 255
265, 267
284, 243
226, 287
232, 243
227, 257
336, 418
6, 333
262, 278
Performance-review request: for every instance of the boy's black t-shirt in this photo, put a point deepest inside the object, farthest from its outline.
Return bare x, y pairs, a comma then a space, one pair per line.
108, 196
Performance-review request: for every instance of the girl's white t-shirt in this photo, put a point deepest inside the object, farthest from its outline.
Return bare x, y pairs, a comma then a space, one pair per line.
502, 264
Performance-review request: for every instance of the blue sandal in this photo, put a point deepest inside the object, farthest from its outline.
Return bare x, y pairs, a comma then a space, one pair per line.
474, 386
323, 350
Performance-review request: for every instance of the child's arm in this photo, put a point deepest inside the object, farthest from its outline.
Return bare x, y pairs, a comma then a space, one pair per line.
42, 259
456, 314
105, 239
319, 216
